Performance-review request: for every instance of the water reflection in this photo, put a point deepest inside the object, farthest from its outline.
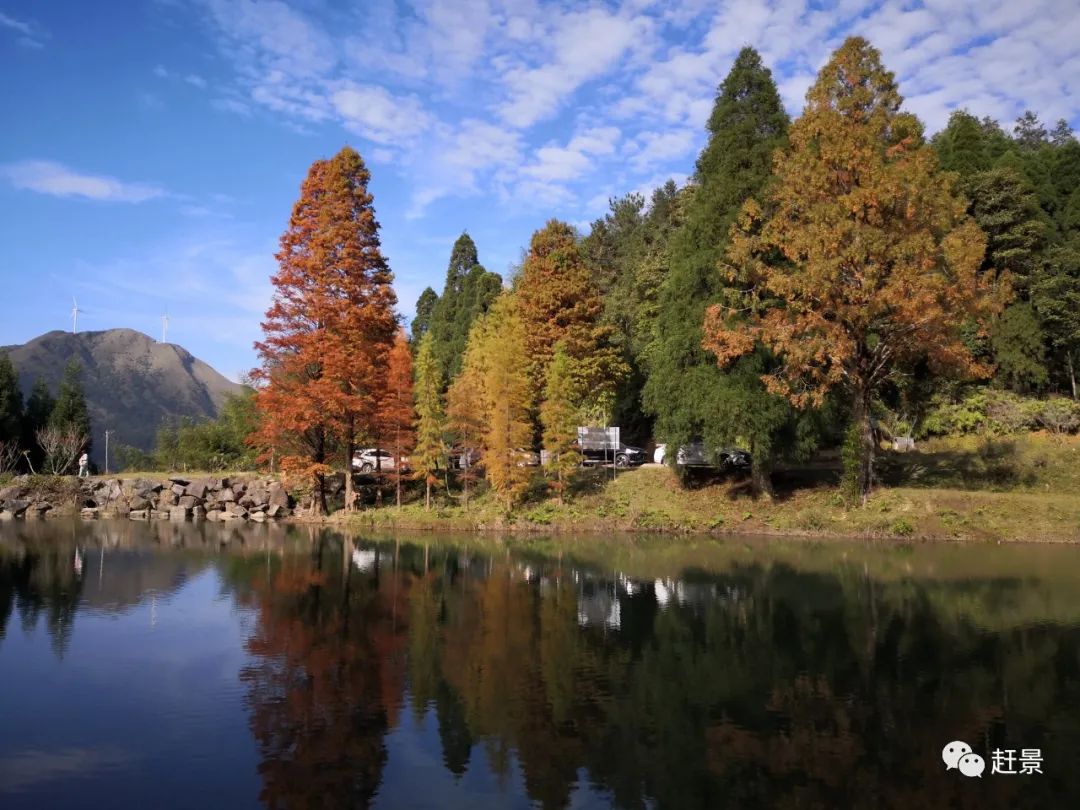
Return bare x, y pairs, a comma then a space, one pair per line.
409, 674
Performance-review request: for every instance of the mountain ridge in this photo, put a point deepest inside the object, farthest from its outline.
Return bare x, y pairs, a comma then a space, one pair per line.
133, 383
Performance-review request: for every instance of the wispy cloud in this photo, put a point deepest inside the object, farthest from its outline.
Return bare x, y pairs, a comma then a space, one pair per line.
57, 180
31, 35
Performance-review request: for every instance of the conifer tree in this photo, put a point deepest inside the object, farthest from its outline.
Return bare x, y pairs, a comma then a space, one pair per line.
961, 145
501, 356
866, 245
425, 306
691, 397
430, 421
39, 407
558, 302
1055, 292
1029, 132
11, 403
70, 411
328, 333
397, 414
467, 419
468, 293
559, 417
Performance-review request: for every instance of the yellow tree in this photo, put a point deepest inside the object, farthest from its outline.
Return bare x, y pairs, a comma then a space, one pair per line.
430, 421
396, 414
466, 420
861, 261
559, 415
499, 354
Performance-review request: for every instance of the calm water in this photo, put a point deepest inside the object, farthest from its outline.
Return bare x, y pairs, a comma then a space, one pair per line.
160, 666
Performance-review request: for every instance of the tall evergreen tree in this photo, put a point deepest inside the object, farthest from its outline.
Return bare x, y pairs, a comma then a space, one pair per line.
11, 403
685, 387
1062, 134
70, 411
39, 407
1029, 131
425, 306
1055, 292
961, 145
430, 420
469, 292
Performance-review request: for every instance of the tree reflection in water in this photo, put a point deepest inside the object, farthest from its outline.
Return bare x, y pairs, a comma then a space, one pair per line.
712, 675
762, 685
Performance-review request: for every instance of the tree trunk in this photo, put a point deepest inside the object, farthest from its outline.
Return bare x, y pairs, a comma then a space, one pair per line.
427, 493
1072, 374
761, 472
318, 497
864, 479
349, 450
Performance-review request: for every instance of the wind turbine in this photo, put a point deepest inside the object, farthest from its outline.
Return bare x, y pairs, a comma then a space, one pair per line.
165, 326
75, 315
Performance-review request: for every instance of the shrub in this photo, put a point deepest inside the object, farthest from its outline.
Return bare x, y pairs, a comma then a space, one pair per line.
998, 413
902, 527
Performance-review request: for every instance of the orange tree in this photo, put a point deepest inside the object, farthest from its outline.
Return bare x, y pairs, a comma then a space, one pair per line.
861, 262
396, 413
328, 332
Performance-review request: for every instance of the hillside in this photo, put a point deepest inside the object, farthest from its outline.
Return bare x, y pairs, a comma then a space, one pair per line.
133, 383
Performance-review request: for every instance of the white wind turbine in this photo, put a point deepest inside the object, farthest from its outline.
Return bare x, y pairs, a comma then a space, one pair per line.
165, 326
75, 315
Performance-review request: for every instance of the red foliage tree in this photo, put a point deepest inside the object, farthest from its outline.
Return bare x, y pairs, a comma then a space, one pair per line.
328, 333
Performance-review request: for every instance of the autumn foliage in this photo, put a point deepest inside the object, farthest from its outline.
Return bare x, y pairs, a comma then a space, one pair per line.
328, 333
861, 261
397, 414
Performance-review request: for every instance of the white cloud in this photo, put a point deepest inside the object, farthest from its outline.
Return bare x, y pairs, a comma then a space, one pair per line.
17, 25
373, 113
195, 80
653, 148
55, 179
31, 34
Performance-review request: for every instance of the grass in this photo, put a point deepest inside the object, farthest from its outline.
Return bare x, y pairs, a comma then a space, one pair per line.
1023, 488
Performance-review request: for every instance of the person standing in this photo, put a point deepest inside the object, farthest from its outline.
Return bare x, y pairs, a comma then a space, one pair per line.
84, 465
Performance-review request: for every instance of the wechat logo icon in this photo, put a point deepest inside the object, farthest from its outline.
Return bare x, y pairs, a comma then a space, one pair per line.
958, 755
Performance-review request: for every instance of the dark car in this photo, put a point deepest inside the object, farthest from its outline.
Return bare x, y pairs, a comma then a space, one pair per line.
623, 455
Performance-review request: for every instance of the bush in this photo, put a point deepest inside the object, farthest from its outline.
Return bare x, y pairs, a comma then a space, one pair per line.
999, 413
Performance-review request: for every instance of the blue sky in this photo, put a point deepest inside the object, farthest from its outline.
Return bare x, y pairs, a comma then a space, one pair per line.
151, 150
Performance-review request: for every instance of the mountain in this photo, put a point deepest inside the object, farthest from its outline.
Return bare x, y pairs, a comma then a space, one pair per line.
133, 383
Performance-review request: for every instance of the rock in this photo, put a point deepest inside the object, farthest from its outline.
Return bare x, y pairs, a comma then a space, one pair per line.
10, 493
277, 495
178, 489
188, 501
183, 482
220, 484
41, 507
198, 513
196, 489
214, 515
139, 514
179, 513
16, 507
228, 495
90, 512
138, 503
232, 516
166, 499
160, 514
236, 509
247, 501
145, 487
6, 515
257, 516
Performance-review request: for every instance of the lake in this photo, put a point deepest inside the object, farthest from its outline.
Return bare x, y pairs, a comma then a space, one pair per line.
168, 665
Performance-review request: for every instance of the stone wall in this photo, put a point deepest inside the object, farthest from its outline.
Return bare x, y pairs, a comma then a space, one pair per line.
177, 498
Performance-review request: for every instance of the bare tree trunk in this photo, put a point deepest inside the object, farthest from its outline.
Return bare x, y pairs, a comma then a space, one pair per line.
350, 448
1072, 374
427, 493
761, 472
861, 415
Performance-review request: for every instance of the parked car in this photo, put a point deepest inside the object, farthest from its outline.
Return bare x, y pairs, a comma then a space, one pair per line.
527, 458
725, 459
622, 454
371, 458
459, 459
659, 454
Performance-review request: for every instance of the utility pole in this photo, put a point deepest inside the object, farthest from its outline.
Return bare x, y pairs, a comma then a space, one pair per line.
165, 327
107, 432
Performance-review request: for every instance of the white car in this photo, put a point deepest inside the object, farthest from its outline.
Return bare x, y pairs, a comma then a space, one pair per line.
659, 453
370, 459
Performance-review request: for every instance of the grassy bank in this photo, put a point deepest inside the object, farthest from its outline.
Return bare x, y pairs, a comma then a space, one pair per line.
1025, 488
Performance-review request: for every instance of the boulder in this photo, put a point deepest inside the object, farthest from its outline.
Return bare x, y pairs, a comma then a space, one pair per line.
90, 512
227, 495
214, 515
178, 489
236, 509
257, 516
11, 493
139, 514
138, 503
196, 489
166, 499
276, 495
160, 514
146, 487
183, 482
16, 507
232, 516
40, 508
198, 513
188, 501
179, 513
246, 501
